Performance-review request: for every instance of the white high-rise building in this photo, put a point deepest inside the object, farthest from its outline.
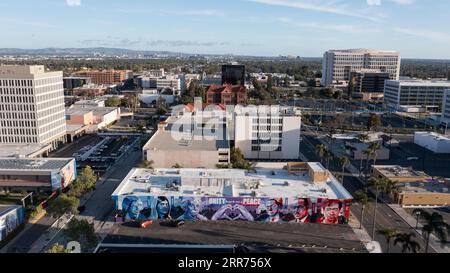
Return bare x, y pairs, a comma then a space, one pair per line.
337, 64
31, 106
268, 132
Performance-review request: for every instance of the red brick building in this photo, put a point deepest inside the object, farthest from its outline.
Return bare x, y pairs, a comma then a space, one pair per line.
226, 94
105, 76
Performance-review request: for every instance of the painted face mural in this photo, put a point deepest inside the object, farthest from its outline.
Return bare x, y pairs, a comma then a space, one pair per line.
332, 211
301, 210
163, 208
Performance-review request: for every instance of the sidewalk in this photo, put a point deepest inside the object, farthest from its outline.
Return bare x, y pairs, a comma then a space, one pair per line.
411, 221
363, 235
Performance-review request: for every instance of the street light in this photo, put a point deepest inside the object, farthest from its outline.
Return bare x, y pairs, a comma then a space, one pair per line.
417, 219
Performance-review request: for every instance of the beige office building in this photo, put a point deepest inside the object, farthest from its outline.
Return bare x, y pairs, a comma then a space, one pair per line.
31, 107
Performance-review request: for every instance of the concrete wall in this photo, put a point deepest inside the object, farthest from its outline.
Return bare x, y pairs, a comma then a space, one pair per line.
423, 198
187, 159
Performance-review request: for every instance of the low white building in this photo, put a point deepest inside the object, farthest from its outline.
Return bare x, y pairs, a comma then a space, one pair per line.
434, 142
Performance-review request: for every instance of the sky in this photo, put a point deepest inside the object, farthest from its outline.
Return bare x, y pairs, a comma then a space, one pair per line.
306, 28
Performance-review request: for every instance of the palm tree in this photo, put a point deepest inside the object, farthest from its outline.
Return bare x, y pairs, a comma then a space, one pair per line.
328, 156
361, 197
344, 161
434, 224
375, 146
391, 188
368, 153
379, 185
321, 151
147, 164
389, 234
407, 242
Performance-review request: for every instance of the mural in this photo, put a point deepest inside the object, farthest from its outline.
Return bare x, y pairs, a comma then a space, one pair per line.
10, 221
303, 210
64, 177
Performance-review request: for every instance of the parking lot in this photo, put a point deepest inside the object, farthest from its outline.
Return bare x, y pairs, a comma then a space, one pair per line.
99, 152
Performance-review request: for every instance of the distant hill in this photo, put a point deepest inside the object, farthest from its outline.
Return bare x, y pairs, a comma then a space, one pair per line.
82, 52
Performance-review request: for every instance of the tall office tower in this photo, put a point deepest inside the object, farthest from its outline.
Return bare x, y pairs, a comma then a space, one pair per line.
268, 132
367, 83
233, 74
31, 106
337, 64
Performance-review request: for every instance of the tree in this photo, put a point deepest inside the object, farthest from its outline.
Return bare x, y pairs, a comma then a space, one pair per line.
87, 178
269, 83
147, 164
83, 232
448, 75
238, 161
177, 166
57, 248
61, 205
112, 102
344, 161
375, 146
389, 234
368, 154
321, 150
328, 156
361, 197
407, 242
378, 184
373, 122
434, 223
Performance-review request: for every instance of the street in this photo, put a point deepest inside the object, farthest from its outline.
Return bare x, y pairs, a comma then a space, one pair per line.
386, 217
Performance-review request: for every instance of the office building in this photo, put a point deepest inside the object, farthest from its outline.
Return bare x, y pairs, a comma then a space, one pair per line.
434, 142
40, 174
416, 93
108, 77
299, 193
233, 74
337, 64
191, 138
75, 82
226, 94
367, 84
268, 132
446, 107
31, 107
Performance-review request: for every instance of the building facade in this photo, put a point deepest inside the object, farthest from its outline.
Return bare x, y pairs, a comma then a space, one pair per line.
11, 217
446, 107
434, 142
41, 174
31, 106
337, 64
233, 74
268, 132
226, 94
367, 83
306, 193
426, 94
109, 77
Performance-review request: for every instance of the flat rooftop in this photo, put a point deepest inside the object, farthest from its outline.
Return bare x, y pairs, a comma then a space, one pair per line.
436, 136
230, 183
258, 237
25, 150
414, 82
172, 137
26, 164
393, 171
430, 187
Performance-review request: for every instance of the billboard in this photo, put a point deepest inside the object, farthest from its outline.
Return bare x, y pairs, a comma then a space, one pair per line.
64, 176
10, 221
297, 210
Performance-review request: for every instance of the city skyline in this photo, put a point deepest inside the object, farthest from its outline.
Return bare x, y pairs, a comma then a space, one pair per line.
304, 28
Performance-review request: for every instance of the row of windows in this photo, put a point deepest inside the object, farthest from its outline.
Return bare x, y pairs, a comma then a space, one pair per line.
16, 91
18, 131
267, 128
17, 107
268, 120
17, 139
12, 83
18, 123
266, 148
15, 116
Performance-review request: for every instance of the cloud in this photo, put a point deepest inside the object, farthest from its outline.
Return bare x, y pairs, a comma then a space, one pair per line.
346, 28
425, 34
398, 2
73, 3
374, 2
127, 43
338, 7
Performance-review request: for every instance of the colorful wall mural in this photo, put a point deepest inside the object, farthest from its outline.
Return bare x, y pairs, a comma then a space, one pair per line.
10, 221
64, 177
303, 210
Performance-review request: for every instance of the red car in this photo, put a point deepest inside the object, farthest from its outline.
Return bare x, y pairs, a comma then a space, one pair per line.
146, 224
